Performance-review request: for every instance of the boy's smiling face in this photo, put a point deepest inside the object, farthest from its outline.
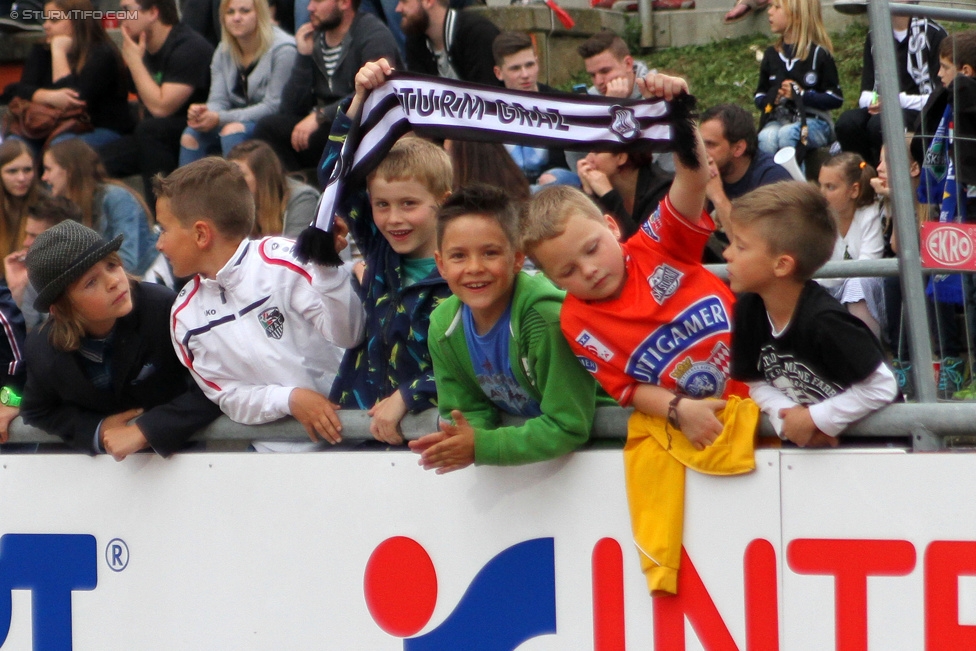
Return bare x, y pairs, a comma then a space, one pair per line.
586, 259
405, 212
479, 264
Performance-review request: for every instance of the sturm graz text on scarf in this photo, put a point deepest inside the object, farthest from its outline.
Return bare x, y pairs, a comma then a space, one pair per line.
439, 108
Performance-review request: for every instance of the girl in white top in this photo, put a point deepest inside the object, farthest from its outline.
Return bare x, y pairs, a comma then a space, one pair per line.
845, 181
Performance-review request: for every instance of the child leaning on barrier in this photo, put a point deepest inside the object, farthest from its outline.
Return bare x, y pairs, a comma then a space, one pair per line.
262, 333
652, 324
812, 366
390, 372
100, 371
497, 347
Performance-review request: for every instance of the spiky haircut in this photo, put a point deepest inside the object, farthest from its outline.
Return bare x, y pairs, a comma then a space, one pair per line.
481, 200
793, 218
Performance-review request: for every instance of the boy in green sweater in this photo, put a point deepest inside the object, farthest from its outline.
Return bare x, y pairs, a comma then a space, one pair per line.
497, 347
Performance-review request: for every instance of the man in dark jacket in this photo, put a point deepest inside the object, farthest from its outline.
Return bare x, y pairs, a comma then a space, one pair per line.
447, 42
333, 46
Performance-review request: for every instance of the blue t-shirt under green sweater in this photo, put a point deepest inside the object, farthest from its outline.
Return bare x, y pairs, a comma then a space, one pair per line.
489, 357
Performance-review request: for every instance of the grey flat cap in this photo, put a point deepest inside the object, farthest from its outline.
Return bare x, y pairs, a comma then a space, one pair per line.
61, 255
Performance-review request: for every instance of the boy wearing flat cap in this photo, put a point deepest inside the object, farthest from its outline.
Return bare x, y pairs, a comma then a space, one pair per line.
101, 372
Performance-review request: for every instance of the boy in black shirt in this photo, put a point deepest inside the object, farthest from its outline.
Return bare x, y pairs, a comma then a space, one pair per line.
812, 367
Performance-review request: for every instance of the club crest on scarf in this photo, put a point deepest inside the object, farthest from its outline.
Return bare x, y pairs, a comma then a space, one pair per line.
624, 123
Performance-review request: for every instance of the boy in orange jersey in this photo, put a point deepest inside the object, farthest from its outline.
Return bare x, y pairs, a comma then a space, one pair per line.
654, 327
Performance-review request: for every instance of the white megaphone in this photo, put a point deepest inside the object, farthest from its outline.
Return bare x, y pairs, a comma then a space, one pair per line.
787, 158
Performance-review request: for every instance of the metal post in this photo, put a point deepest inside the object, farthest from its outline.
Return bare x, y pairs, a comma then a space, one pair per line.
647, 23
938, 13
913, 291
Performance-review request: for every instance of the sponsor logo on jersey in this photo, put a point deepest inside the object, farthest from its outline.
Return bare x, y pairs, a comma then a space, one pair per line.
587, 363
653, 224
664, 282
703, 379
273, 322
594, 345
704, 319
810, 79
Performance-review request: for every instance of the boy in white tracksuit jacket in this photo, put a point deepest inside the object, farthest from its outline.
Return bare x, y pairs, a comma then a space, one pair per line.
262, 333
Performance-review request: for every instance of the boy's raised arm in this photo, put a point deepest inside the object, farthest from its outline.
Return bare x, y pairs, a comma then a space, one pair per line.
370, 76
687, 192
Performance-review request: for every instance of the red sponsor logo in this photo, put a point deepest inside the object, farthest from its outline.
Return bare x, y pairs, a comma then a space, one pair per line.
948, 245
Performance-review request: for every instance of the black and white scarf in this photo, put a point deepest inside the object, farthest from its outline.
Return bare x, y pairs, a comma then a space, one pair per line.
918, 54
438, 108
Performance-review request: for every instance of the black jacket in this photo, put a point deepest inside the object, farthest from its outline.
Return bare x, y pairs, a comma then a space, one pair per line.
368, 39
468, 37
60, 399
653, 184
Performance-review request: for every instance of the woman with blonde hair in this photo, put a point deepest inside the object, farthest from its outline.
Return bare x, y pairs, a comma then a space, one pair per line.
72, 169
78, 65
247, 76
19, 190
798, 80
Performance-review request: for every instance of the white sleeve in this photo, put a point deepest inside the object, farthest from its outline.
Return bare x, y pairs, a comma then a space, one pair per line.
864, 100
770, 401
249, 404
913, 102
330, 302
877, 390
872, 239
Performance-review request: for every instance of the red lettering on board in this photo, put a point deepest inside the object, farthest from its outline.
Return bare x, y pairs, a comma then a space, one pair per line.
609, 631
762, 611
851, 562
945, 562
694, 602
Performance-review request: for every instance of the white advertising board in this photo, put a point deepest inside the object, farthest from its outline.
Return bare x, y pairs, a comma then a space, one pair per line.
347, 551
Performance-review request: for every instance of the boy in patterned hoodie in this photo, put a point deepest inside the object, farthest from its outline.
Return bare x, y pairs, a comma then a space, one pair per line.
394, 225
